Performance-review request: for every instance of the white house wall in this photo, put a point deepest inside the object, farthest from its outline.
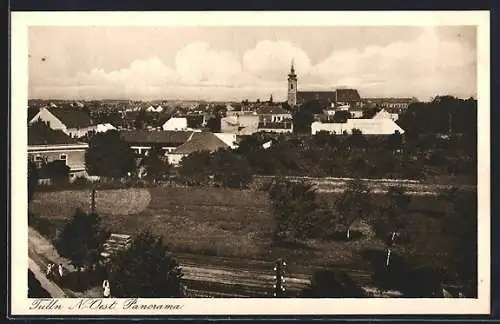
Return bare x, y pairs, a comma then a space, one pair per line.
366, 126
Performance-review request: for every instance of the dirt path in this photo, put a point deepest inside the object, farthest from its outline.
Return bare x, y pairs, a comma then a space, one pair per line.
52, 288
41, 246
41, 252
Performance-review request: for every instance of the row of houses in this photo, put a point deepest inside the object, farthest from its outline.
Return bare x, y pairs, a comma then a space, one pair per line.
47, 145
177, 144
54, 134
74, 123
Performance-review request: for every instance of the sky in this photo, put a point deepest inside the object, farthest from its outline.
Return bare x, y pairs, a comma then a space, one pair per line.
237, 63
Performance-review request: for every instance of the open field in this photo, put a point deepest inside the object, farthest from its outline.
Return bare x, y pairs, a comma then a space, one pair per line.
234, 223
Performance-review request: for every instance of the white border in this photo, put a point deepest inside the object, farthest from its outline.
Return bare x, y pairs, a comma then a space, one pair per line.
19, 63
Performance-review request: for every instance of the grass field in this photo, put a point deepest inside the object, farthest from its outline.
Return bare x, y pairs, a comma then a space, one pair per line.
232, 223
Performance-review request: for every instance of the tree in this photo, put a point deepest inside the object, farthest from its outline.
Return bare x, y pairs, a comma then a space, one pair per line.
302, 121
109, 155
195, 168
145, 270
82, 239
395, 141
56, 170
32, 179
461, 224
295, 209
213, 124
391, 222
156, 166
357, 139
313, 106
402, 275
230, 170
370, 112
341, 116
140, 120
353, 204
332, 284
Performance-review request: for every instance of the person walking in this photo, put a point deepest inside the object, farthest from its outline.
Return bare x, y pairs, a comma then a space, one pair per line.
107, 289
60, 269
49, 268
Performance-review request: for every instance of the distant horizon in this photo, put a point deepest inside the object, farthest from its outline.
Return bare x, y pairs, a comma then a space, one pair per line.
233, 101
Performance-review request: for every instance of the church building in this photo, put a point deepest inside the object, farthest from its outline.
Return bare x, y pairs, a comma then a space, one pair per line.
339, 97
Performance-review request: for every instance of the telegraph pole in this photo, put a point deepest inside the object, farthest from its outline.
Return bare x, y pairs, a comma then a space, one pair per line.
279, 286
92, 201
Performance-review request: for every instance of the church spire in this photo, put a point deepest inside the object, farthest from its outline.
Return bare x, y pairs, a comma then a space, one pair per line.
292, 86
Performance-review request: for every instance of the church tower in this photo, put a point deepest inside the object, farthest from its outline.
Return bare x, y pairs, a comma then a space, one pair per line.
292, 87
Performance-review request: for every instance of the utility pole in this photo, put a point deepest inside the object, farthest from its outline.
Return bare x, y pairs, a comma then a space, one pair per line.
279, 286
92, 201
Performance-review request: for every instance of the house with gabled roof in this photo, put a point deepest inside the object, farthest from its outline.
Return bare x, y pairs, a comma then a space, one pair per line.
142, 141
176, 124
383, 113
274, 118
200, 141
74, 122
47, 145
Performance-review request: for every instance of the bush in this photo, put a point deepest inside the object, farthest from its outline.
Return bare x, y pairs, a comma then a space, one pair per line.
400, 275
332, 284
44, 226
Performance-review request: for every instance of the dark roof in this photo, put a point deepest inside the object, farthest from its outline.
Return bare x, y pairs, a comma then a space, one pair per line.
347, 95
304, 96
41, 134
272, 110
201, 141
72, 118
142, 136
32, 111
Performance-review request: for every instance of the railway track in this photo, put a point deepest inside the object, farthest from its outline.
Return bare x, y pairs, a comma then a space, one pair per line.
229, 277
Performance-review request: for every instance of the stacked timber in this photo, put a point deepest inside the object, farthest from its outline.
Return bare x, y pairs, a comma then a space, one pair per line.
116, 243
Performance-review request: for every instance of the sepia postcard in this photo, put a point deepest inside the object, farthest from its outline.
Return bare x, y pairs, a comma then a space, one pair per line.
250, 163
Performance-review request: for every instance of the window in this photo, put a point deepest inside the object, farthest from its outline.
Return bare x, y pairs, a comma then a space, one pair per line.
291, 86
63, 157
38, 158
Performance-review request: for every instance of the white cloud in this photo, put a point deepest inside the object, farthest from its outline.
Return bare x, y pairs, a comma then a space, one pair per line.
423, 67
271, 60
198, 63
